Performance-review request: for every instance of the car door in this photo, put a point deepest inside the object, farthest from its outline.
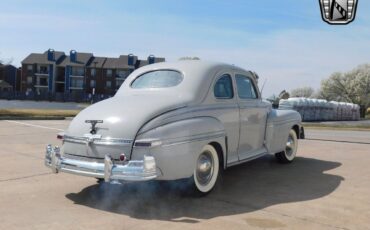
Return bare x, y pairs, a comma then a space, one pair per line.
227, 112
252, 117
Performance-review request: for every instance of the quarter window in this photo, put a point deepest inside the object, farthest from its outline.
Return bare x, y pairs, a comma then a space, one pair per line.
246, 89
224, 87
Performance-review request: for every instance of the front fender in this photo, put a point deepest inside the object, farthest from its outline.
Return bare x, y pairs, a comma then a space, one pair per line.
179, 143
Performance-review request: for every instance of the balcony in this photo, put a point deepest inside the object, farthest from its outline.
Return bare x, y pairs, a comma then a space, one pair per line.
76, 88
42, 82
41, 86
77, 76
42, 73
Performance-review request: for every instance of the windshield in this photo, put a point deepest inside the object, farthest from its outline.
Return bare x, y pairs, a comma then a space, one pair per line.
157, 79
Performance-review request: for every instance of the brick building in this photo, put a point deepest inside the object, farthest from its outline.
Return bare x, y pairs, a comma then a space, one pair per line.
77, 75
39, 71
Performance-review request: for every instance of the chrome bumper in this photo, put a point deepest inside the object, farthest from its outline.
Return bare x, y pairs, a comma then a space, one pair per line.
131, 171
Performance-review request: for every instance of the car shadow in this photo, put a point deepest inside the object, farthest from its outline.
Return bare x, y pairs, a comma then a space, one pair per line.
245, 188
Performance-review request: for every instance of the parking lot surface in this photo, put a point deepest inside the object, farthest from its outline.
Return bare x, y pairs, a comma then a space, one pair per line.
327, 187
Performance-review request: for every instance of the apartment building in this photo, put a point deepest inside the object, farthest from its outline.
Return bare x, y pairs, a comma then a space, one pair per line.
77, 74
74, 69
116, 70
38, 71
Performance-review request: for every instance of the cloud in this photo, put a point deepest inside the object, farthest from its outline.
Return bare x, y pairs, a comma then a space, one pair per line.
287, 57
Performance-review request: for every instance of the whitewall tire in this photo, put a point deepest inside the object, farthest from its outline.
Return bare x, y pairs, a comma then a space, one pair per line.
206, 170
288, 155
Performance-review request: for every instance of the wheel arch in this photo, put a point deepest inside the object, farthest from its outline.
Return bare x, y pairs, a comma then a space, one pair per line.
220, 151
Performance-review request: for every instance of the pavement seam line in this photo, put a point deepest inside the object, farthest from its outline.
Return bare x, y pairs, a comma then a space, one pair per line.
26, 177
32, 125
339, 141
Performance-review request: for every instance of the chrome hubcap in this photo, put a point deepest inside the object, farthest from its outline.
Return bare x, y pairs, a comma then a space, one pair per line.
204, 168
290, 146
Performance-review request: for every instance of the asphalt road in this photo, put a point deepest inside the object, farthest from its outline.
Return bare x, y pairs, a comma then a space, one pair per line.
327, 187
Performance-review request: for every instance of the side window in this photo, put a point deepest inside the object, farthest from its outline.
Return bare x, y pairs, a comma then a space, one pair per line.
246, 89
224, 87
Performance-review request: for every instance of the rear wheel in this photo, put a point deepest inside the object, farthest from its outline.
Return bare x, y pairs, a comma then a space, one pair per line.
206, 171
288, 155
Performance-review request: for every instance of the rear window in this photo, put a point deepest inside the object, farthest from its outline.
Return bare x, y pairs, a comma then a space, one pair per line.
157, 79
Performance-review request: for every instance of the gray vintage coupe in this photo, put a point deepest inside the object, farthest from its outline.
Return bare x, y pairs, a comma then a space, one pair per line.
168, 121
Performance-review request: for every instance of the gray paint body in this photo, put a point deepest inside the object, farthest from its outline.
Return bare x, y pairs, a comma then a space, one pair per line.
184, 118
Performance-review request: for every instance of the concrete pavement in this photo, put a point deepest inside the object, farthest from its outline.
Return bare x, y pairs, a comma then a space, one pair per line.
327, 187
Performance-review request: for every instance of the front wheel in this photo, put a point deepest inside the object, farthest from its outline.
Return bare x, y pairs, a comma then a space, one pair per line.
206, 171
288, 155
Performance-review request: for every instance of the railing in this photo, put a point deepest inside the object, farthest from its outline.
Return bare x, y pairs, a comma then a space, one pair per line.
42, 73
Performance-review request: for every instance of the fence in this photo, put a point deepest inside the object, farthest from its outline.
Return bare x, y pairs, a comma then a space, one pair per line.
59, 97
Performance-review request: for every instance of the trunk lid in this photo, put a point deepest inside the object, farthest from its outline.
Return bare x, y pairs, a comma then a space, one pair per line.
121, 118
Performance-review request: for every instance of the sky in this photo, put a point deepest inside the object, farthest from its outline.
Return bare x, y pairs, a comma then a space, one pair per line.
285, 42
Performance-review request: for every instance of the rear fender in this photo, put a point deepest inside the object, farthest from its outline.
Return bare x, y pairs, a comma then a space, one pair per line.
177, 144
279, 123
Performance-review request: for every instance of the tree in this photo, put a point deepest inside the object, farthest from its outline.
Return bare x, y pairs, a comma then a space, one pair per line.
302, 92
7, 62
353, 87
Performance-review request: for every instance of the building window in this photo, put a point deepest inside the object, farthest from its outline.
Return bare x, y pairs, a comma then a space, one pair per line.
42, 81
29, 80
92, 83
78, 71
93, 72
29, 68
122, 73
109, 73
108, 84
77, 83
43, 69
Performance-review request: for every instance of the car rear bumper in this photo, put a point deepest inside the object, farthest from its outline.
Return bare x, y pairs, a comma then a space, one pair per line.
135, 170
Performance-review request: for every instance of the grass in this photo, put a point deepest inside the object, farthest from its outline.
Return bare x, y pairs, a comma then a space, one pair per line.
37, 113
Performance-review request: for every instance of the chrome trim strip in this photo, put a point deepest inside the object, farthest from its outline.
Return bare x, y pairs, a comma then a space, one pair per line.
194, 138
98, 141
206, 108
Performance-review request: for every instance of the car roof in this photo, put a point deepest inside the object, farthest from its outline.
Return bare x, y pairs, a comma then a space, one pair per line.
198, 77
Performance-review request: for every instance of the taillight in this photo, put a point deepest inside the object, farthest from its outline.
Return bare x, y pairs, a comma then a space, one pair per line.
122, 157
60, 136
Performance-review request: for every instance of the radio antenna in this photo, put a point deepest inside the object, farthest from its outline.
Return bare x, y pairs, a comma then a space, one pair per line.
263, 86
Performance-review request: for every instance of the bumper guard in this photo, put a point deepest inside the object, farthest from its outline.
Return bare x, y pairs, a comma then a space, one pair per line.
135, 170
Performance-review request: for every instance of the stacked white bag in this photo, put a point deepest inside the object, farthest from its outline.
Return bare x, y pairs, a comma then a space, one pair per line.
321, 110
